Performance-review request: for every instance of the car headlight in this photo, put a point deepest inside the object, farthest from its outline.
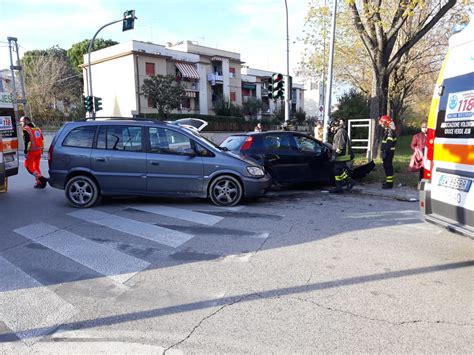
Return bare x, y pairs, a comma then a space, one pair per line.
255, 171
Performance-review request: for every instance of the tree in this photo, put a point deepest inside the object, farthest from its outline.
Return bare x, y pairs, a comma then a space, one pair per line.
352, 105
78, 50
164, 93
252, 107
50, 81
378, 24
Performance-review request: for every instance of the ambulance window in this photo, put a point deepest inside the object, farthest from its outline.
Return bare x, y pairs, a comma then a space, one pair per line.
81, 137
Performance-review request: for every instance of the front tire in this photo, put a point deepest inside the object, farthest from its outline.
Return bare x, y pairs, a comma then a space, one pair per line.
226, 191
82, 191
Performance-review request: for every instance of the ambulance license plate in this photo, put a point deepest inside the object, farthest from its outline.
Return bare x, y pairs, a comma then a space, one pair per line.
8, 158
454, 182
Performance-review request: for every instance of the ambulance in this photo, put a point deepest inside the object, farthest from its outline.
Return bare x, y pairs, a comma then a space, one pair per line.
447, 189
8, 140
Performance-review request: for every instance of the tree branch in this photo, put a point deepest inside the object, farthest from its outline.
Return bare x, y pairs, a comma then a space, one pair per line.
409, 44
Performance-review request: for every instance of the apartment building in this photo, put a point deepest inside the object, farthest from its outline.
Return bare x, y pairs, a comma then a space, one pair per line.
207, 74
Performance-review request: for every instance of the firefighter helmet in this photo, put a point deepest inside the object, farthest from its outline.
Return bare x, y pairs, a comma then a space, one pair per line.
385, 121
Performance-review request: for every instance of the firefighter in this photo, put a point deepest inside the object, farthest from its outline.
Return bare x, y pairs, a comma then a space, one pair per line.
389, 141
33, 138
343, 151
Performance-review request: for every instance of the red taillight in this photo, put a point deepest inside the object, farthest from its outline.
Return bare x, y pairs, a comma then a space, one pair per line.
50, 155
429, 154
247, 144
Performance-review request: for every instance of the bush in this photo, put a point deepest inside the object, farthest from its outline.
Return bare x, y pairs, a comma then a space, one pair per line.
223, 107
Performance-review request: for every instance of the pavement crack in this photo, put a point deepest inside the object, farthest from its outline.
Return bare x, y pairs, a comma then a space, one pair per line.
358, 315
202, 321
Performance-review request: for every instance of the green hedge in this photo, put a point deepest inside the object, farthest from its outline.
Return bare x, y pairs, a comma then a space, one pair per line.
216, 123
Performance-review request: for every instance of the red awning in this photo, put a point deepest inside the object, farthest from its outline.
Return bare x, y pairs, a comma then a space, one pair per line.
187, 70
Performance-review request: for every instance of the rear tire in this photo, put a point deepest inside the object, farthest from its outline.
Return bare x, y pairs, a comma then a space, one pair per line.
226, 191
82, 191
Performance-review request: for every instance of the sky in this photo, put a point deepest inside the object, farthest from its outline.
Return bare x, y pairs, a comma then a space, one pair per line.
254, 28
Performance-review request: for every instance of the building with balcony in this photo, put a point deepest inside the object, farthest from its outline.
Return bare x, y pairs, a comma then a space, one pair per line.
207, 74
118, 73
221, 72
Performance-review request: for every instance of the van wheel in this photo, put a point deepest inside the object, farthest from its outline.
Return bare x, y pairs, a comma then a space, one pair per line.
82, 191
225, 191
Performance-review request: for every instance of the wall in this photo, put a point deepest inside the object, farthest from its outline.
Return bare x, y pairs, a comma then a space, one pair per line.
114, 82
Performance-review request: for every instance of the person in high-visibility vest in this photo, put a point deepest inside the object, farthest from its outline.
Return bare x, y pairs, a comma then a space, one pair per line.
389, 140
34, 145
341, 146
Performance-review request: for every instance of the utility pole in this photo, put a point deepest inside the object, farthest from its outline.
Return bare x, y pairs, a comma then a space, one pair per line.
13, 47
327, 104
128, 23
287, 81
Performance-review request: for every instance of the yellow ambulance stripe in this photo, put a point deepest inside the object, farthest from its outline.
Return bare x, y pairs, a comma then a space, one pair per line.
454, 153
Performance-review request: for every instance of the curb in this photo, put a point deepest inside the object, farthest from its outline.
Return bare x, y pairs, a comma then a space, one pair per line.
409, 195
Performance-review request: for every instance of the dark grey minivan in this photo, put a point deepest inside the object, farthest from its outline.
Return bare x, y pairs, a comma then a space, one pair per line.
90, 159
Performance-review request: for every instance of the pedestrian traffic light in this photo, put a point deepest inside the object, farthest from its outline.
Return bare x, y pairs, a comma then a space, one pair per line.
128, 20
278, 89
97, 104
89, 103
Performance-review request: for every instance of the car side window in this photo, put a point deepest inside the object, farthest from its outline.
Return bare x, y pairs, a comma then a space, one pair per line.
101, 138
203, 152
81, 137
305, 144
124, 138
166, 141
276, 142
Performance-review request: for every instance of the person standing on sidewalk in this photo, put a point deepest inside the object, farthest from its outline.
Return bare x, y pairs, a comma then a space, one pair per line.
389, 140
34, 145
341, 146
418, 143
319, 131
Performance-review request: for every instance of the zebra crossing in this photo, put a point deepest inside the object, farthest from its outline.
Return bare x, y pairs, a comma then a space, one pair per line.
42, 310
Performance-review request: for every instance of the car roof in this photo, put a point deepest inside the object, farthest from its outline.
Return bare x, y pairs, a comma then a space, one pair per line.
120, 121
253, 133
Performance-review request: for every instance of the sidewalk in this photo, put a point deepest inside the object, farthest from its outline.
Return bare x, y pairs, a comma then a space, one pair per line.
401, 193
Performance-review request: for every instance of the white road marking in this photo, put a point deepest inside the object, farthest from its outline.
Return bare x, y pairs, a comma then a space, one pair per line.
27, 307
104, 260
180, 213
151, 232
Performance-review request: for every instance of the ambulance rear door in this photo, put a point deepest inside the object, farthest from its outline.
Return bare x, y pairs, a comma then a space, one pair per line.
451, 198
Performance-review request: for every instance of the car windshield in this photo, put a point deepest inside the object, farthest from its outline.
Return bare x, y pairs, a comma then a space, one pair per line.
233, 142
202, 138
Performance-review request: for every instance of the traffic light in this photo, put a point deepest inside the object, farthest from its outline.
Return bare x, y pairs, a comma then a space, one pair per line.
270, 88
128, 20
84, 102
89, 104
97, 104
278, 89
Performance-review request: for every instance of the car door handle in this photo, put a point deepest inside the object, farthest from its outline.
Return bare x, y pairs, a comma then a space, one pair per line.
273, 157
155, 163
100, 159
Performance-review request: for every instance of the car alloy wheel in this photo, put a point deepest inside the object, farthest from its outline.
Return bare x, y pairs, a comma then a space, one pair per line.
82, 191
225, 191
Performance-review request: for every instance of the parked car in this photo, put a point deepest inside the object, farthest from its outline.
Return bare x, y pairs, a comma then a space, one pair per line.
289, 157
90, 159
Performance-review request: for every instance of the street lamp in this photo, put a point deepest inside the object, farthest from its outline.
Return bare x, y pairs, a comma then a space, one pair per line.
128, 23
287, 81
327, 103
